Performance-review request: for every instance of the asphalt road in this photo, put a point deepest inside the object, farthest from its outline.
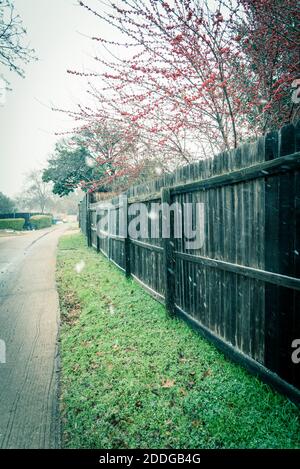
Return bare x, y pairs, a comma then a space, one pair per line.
29, 314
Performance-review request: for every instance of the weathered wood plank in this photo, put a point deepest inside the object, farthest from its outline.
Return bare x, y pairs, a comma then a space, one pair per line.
168, 255
271, 277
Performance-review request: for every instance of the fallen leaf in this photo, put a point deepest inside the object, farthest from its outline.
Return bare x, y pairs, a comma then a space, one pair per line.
197, 423
206, 373
130, 349
86, 343
191, 384
94, 366
168, 383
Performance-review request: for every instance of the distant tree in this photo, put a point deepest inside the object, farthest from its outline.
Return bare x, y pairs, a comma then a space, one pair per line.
14, 53
7, 205
37, 194
73, 165
68, 204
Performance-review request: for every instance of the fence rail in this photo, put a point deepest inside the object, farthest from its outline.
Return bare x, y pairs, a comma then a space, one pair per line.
241, 288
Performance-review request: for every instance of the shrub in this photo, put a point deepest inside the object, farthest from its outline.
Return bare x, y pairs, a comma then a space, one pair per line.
12, 223
41, 221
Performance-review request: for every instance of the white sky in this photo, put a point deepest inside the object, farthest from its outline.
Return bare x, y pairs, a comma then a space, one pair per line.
56, 30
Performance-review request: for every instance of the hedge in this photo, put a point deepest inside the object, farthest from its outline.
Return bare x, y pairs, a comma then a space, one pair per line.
40, 221
12, 223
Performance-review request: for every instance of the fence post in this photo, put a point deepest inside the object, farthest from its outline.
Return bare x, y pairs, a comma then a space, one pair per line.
97, 234
108, 233
88, 218
126, 235
168, 253
281, 316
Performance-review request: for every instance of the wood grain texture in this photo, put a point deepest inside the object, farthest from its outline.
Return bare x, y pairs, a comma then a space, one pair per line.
243, 283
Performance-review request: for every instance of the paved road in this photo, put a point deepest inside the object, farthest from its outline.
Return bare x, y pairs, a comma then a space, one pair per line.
29, 325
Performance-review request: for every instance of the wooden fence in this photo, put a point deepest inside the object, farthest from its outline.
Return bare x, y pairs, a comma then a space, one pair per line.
241, 288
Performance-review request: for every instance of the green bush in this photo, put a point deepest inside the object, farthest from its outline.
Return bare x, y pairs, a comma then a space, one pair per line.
41, 221
12, 223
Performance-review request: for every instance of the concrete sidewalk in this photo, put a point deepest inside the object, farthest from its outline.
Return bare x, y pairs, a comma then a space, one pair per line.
29, 314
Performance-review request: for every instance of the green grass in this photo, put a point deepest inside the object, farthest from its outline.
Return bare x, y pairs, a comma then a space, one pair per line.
132, 377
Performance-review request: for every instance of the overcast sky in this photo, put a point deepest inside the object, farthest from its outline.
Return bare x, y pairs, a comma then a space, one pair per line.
57, 30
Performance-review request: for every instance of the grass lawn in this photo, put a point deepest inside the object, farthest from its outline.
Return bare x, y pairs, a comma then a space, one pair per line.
134, 378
